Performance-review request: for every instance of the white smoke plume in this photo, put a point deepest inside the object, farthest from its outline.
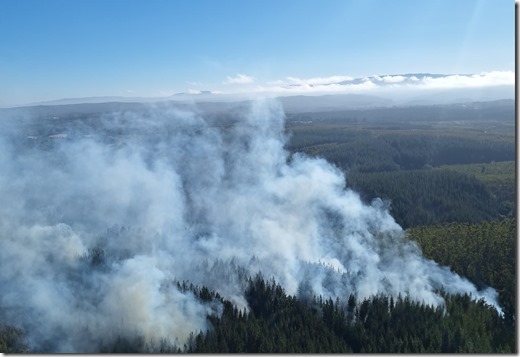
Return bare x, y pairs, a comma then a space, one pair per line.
164, 195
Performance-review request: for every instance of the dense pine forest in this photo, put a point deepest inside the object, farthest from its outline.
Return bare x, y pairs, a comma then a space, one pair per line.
277, 322
447, 175
280, 323
483, 252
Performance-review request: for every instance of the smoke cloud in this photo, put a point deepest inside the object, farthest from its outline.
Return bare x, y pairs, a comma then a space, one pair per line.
99, 223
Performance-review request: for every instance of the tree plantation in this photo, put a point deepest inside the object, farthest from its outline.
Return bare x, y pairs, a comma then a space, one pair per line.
209, 229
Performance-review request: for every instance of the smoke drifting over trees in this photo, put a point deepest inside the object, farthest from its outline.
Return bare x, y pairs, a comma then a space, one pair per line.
97, 229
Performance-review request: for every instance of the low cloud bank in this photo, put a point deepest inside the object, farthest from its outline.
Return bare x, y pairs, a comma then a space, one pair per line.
386, 83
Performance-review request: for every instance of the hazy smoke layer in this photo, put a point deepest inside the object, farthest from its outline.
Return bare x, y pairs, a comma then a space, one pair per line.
96, 229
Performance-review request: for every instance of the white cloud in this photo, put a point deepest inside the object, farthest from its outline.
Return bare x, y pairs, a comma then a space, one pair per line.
485, 79
346, 84
318, 80
318, 89
372, 84
393, 79
239, 79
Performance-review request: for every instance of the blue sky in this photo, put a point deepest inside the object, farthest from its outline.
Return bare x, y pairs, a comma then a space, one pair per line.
60, 49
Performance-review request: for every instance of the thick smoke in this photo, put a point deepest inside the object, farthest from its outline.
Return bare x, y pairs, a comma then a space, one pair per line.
95, 230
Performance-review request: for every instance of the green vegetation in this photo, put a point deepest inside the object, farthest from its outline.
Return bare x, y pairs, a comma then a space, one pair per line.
487, 172
375, 152
435, 164
483, 252
277, 322
388, 139
497, 177
12, 340
449, 174
426, 197
281, 323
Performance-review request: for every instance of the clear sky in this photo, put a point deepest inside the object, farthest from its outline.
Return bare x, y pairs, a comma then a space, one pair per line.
51, 49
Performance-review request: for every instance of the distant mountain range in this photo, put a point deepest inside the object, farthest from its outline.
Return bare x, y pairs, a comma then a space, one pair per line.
202, 95
388, 90
389, 79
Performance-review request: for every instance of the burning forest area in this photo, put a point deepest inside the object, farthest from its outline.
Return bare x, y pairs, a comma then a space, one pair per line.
166, 229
